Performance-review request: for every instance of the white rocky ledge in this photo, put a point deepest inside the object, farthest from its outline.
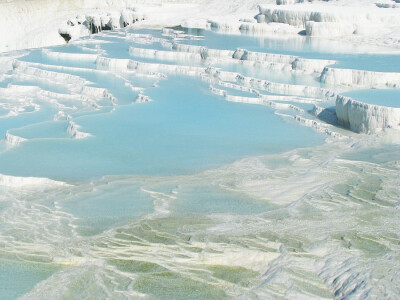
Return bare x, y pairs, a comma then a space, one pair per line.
13, 140
365, 118
360, 78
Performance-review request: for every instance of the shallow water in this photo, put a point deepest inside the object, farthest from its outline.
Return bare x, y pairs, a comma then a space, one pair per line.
45, 113
192, 195
18, 278
188, 131
390, 98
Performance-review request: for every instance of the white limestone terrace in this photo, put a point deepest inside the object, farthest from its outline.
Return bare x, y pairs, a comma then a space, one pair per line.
360, 78
268, 61
233, 80
89, 97
28, 24
36, 24
366, 118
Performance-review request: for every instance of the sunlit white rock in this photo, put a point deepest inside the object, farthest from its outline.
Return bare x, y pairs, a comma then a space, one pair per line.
366, 118
360, 78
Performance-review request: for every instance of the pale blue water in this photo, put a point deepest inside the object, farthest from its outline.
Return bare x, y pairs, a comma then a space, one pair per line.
37, 56
45, 113
235, 92
70, 48
44, 85
3, 111
186, 129
49, 129
389, 98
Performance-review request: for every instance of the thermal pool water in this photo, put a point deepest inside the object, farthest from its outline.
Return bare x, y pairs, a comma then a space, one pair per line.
134, 165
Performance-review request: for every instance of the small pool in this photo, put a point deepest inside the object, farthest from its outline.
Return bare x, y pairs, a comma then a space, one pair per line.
185, 129
389, 98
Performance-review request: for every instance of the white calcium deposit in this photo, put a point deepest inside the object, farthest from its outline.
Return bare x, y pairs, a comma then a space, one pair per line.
366, 118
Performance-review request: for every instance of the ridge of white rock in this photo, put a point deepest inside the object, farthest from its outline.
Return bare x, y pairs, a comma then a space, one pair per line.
75, 133
353, 21
126, 65
166, 55
319, 126
64, 69
244, 54
264, 28
13, 140
98, 93
204, 52
269, 61
144, 39
295, 63
28, 69
271, 87
91, 57
15, 182
281, 98
29, 24
360, 78
95, 23
299, 15
288, 2
142, 98
366, 118
330, 29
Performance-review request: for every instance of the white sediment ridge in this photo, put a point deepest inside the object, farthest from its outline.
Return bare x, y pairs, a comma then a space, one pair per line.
13, 140
89, 57
299, 15
288, 62
18, 182
268, 61
360, 78
75, 133
366, 118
